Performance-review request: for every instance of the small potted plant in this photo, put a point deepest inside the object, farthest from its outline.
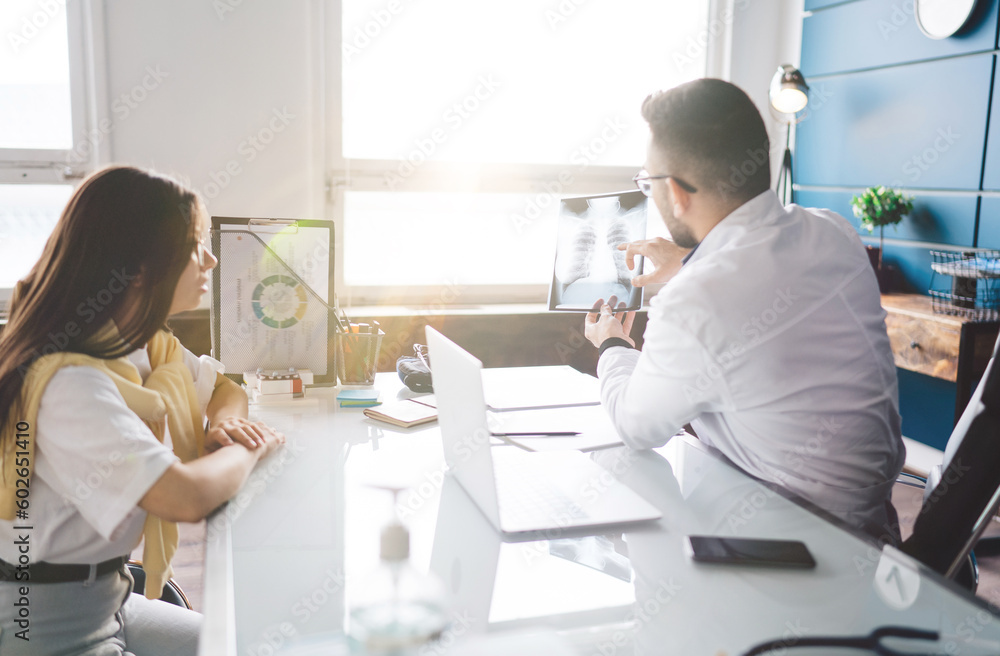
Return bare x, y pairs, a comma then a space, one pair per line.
879, 207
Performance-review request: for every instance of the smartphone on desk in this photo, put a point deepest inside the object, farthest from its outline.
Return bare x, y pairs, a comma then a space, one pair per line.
750, 551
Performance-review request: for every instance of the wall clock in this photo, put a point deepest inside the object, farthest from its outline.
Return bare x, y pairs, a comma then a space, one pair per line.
939, 19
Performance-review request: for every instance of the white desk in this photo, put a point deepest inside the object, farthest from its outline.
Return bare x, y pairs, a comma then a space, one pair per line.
277, 554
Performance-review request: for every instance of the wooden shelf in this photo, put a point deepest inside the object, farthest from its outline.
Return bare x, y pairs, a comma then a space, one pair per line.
944, 346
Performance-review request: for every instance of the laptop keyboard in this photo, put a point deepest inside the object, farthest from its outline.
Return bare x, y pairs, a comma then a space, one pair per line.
525, 495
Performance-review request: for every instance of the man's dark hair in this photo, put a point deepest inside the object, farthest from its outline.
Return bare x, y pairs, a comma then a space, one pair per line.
713, 137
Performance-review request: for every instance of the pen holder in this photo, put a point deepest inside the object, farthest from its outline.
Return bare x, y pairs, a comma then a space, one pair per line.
357, 357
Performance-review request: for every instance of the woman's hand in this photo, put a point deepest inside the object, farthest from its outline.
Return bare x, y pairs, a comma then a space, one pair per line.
238, 430
189, 491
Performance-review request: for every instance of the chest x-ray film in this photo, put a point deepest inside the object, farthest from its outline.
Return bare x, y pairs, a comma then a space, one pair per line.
271, 292
588, 264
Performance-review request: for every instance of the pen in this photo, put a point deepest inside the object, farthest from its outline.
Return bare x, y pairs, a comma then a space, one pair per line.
538, 434
338, 312
365, 342
373, 348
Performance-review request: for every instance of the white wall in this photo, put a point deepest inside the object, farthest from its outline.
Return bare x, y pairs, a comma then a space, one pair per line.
223, 94
766, 34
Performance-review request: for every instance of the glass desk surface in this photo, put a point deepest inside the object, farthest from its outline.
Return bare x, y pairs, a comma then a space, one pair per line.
282, 556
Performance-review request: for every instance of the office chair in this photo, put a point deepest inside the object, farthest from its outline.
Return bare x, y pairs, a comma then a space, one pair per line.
963, 493
172, 593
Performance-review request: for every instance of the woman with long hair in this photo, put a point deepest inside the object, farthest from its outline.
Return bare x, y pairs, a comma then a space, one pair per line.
102, 423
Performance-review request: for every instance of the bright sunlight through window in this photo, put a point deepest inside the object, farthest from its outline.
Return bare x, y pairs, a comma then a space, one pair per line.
553, 86
35, 111
518, 81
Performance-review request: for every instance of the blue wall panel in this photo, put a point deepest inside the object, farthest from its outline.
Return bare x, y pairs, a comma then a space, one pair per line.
927, 406
919, 126
812, 5
890, 106
935, 218
874, 33
991, 170
913, 262
989, 223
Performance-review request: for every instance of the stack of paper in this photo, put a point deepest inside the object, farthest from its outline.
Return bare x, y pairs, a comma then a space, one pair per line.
279, 385
358, 398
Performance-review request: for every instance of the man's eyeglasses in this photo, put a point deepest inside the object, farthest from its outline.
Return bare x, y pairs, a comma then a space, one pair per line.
644, 181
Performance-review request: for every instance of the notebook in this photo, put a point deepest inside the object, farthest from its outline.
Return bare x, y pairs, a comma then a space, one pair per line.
405, 414
519, 491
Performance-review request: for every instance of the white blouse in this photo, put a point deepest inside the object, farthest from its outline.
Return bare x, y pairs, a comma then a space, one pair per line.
94, 461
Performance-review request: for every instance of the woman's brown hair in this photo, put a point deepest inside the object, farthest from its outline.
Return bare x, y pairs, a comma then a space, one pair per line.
121, 222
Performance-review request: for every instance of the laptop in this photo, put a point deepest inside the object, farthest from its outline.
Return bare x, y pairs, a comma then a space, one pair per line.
519, 491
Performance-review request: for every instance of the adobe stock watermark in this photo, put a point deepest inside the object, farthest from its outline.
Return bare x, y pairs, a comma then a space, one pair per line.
225, 7
87, 310
581, 157
256, 484
819, 95
432, 481
463, 451
915, 167
968, 629
560, 13
643, 613
248, 150
453, 118
576, 340
590, 491
122, 107
459, 625
402, 340
796, 460
757, 159
752, 332
749, 506
101, 470
275, 636
364, 35
34, 23
417, 496
900, 14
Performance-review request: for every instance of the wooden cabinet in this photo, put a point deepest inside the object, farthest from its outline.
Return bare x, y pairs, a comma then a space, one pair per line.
939, 345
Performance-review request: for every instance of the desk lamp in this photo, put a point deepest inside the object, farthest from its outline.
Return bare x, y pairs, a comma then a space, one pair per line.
788, 95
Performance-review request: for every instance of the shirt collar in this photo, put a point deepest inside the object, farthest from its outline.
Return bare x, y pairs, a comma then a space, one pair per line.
762, 209
684, 260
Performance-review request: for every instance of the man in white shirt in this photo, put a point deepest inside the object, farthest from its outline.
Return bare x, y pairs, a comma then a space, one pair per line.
769, 336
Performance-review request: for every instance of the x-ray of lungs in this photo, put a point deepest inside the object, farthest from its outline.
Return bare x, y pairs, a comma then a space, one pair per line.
588, 264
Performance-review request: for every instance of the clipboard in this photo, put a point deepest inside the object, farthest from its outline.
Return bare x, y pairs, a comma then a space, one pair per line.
272, 296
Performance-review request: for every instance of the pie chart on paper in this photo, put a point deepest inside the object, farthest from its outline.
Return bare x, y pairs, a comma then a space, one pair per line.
279, 301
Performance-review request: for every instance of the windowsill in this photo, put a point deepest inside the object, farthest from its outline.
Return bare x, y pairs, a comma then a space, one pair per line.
485, 309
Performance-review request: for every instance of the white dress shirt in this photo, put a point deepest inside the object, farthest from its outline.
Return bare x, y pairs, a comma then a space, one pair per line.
771, 343
94, 461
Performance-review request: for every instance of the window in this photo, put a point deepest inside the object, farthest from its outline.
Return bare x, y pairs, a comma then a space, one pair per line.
28, 213
35, 108
461, 124
42, 118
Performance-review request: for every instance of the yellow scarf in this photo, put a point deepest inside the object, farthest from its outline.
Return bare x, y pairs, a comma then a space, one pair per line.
166, 399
